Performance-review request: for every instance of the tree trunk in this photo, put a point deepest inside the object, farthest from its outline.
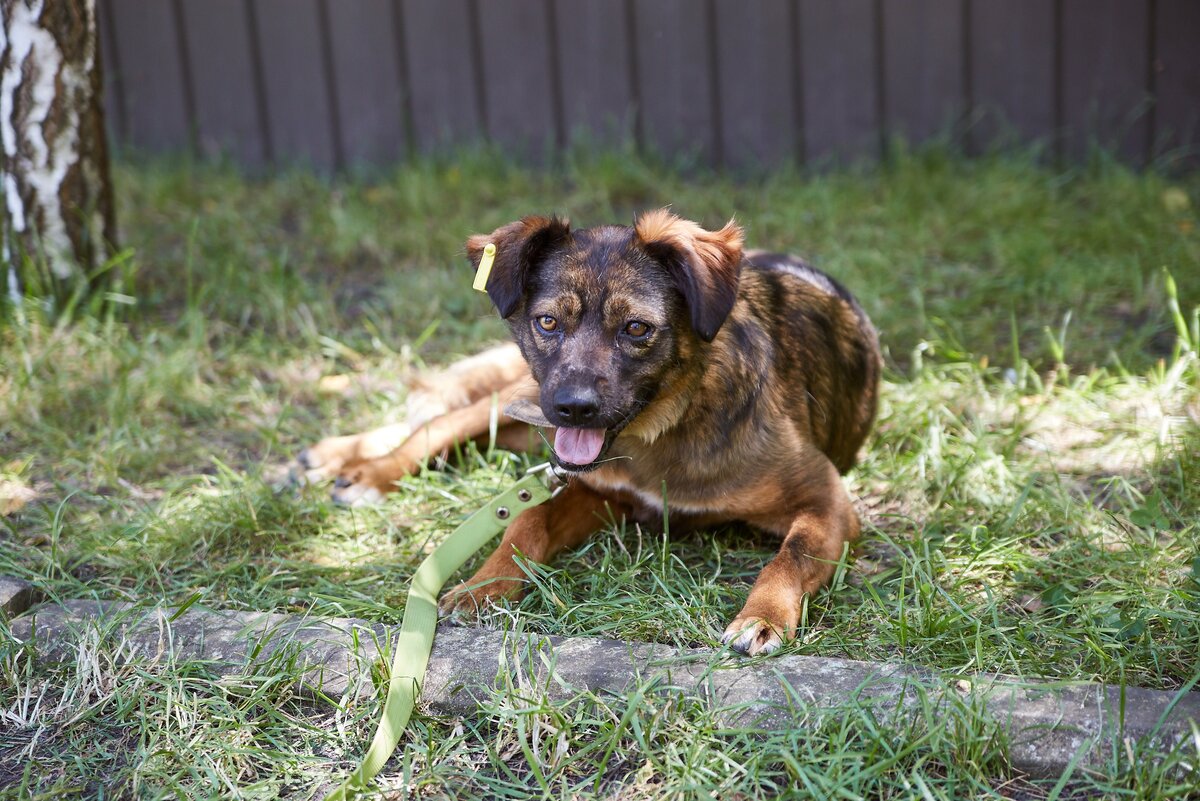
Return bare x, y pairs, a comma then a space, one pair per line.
57, 221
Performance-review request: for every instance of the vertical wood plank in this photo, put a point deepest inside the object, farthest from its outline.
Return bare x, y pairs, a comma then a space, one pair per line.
675, 63
1105, 65
517, 78
294, 79
1012, 71
757, 82
444, 99
114, 108
367, 74
593, 54
151, 75
839, 69
1177, 81
924, 94
227, 107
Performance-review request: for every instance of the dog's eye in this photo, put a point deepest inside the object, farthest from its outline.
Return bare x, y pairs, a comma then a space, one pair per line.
547, 323
637, 329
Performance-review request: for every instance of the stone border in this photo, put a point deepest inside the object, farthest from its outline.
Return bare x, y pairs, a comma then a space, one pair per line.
1049, 724
16, 596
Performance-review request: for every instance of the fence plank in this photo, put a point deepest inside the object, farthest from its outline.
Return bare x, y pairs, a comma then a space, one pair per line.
114, 104
674, 65
742, 83
839, 69
294, 77
924, 92
517, 75
594, 58
367, 76
445, 97
1177, 81
757, 81
1105, 64
226, 104
151, 75
1012, 71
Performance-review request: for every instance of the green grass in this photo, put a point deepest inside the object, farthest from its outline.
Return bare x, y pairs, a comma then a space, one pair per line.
1030, 494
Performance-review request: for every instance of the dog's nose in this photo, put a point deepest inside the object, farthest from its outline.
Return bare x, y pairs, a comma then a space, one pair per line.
576, 406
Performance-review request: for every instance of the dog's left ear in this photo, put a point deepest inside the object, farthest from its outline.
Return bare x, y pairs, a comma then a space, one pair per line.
519, 246
706, 265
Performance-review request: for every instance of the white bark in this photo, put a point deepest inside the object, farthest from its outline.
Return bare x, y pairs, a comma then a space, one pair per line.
56, 203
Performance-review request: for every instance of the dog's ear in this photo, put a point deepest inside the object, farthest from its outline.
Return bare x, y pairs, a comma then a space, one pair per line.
519, 246
706, 265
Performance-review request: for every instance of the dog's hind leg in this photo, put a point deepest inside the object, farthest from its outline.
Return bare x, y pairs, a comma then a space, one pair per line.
465, 382
458, 386
333, 454
368, 481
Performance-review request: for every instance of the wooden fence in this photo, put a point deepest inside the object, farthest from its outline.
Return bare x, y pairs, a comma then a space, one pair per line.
736, 83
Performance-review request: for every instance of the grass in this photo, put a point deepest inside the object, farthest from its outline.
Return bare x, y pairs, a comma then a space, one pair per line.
1030, 494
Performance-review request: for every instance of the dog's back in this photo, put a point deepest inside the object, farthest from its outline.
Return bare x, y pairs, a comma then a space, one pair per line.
825, 343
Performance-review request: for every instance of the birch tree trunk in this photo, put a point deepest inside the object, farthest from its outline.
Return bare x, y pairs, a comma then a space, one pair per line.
57, 220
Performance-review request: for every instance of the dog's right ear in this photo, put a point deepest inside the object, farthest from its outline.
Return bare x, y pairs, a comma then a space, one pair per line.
519, 246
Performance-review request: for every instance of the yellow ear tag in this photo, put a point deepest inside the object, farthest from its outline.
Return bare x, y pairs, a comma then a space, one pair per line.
485, 267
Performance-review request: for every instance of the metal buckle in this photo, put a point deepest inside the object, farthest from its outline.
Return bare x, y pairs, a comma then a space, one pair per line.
553, 476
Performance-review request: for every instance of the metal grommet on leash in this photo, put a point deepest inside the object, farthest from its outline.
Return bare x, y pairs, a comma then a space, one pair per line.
502, 512
524, 495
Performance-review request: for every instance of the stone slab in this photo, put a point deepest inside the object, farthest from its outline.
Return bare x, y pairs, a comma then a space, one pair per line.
16, 596
333, 652
1048, 724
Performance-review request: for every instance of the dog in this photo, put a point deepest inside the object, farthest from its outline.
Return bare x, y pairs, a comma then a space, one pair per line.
664, 361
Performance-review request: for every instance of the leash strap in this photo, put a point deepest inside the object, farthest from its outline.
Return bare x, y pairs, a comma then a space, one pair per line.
415, 640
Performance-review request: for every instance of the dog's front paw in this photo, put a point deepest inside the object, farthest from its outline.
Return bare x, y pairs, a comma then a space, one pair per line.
465, 601
753, 636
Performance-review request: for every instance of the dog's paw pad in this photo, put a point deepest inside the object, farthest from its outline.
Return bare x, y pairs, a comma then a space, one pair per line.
752, 636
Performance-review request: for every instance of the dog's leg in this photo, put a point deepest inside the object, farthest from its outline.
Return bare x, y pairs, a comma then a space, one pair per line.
333, 454
813, 543
465, 382
516, 437
500, 369
537, 534
367, 482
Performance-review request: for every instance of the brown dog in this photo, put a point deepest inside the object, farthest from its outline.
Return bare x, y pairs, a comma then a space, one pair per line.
661, 354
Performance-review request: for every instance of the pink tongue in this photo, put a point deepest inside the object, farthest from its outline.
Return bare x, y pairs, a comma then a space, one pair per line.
578, 445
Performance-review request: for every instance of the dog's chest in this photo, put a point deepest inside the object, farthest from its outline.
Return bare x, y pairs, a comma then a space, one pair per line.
691, 485
615, 481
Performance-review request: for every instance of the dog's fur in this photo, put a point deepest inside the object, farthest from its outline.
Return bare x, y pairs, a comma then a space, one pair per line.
743, 381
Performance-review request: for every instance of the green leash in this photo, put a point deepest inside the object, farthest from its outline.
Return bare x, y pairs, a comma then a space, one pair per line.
415, 640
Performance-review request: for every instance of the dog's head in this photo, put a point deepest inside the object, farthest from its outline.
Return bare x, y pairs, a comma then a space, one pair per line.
603, 314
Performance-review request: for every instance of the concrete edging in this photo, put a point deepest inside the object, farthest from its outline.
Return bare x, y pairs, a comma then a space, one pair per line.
16, 596
1049, 724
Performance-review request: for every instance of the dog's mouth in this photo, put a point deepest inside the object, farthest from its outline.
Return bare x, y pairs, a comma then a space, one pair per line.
575, 449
